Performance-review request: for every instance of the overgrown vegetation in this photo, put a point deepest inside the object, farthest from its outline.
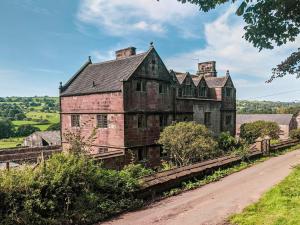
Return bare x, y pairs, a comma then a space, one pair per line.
295, 134
188, 142
251, 131
280, 205
67, 189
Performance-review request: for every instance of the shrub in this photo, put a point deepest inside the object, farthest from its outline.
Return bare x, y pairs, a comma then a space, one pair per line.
25, 130
251, 131
67, 189
187, 142
226, 142
295, 134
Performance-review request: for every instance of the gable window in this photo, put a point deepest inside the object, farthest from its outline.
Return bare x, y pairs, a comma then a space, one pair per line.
179, 92
207, 118
228, 120
140, 85
102, 121
202, 91
162, 88
75, 120
228, 92
142, 121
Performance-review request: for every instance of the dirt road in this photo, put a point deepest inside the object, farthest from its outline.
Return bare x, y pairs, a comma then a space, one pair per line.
213, 203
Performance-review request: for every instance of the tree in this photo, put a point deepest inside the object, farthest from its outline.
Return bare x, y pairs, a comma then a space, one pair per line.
55, 126
251, 131
25, 130
187, 142
268, 23
6, 129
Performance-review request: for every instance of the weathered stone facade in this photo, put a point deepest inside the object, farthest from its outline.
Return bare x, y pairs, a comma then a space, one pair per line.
129, 100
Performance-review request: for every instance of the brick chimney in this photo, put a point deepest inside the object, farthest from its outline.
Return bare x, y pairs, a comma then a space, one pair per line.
123, 53
207, 69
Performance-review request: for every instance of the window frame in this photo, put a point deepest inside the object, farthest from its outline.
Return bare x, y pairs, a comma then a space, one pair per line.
226, 120
207, 118
75, 120
102, 120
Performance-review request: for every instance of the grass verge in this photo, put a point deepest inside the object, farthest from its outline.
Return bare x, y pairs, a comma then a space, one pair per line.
279, 206
219, 174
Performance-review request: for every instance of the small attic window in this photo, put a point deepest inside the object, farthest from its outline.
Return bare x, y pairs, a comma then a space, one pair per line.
94, 84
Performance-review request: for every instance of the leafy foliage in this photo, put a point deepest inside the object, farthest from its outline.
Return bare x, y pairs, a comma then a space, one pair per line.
268, 23
25, 130
226, 142
6, 129
67, 189
251, 131
55, 126
295, 134
187, 142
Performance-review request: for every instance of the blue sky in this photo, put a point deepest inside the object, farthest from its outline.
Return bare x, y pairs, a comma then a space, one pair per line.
43, 42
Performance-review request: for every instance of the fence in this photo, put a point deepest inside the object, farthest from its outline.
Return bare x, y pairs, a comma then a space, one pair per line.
162, 181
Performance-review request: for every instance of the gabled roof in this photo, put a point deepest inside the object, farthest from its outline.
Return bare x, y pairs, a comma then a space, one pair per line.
103, 77
281, 119
51, 137
213, 82
197, 79
180, 76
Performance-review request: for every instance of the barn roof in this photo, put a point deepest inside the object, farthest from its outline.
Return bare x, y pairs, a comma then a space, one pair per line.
103, 77
281, 119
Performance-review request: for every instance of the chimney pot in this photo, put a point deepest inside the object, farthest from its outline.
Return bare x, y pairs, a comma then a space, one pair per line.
207, 69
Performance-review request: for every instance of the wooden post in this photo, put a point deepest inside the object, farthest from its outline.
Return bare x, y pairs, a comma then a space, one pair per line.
259, 144
7, 166
267, 144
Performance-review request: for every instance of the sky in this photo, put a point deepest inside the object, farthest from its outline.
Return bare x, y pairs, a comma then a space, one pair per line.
44, 42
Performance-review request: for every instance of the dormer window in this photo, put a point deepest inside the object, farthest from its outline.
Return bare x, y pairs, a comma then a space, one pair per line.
228, 92
202, 91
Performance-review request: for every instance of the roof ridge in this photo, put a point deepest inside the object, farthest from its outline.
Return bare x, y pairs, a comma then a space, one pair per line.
114, 60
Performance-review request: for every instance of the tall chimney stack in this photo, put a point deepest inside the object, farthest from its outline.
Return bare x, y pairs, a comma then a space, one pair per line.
126, 52
207, 69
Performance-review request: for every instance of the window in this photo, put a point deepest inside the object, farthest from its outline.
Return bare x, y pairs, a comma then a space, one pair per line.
75, 120
141, 154
102, 150
228, 92
163, 120
102, 120
162, 88
138, 86
202, 91
179, 92
141, 85
142, 121
207, 118
187, 90
228, 120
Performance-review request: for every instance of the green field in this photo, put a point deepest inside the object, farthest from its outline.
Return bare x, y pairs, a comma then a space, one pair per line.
37, 110
11, 142
279, 206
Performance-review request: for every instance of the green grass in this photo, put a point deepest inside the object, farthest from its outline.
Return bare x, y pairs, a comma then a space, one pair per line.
11, 142
51, 117
279, 206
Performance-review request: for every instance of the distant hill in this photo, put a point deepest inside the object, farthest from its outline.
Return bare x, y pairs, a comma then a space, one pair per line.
269, 107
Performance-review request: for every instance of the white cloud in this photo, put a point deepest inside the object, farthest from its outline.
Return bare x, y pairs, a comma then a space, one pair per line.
121, 17
249, 67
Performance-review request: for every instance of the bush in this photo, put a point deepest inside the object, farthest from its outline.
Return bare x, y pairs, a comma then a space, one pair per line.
67, 189
25, 130
187, 142
226, 142
295, 134
251, 131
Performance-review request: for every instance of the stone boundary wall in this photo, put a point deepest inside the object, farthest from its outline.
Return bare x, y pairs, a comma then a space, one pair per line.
162, 181
27, 153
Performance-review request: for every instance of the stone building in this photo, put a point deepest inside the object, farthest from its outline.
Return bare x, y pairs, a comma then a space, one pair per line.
286, 122
129, 100
43, 138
